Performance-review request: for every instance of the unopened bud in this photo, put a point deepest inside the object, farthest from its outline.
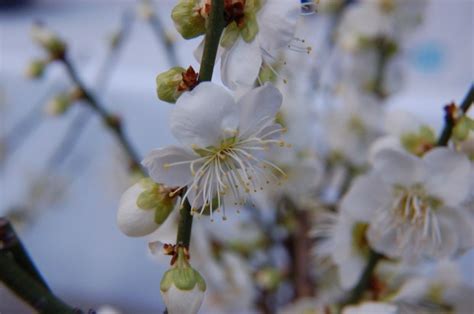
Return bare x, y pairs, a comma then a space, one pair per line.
172, 83
58, 105
187, 19
55, 46
145, 10
269, 278
36, 69
143, 208
182, 287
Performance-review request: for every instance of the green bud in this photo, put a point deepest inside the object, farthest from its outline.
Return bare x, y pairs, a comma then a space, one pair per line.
267, 73
419, 142
167, 84
36, 69
187, 19
58, 105
182, 275
155, 197
269, 278
55, 46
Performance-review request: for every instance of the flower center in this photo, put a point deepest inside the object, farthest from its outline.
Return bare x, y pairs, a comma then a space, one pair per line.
414, 207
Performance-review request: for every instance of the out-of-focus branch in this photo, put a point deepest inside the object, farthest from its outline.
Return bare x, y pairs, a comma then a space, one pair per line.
364, 282
112, 122
160, 32
19, 274
9, 242
450, 121
77, 126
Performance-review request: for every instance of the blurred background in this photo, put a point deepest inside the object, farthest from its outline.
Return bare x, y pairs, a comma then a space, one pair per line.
65, 211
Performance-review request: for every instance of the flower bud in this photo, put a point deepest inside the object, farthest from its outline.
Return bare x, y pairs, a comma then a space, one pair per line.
36, 69
182, 287
58, 105
143, 208
172, 83
187, 19
269, 278
55, 46
419, 142
145, 10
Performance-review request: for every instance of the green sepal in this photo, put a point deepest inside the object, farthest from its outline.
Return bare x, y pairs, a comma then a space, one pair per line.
250, 28
163, 210
230, 35
167, 84
182, 276
415, 142
187, 19
149, 199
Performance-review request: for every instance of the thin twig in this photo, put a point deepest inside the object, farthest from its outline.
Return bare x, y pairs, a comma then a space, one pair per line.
365, 279
10, 242
449, 119
157, 26
110, 120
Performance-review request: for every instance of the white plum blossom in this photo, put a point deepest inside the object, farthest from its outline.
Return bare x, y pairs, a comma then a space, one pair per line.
351, 128
265, 28
372, 19
224, 144
371, 308
342, 238
414, 205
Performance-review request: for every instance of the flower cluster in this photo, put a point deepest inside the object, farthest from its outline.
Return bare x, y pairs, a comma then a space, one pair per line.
355, 206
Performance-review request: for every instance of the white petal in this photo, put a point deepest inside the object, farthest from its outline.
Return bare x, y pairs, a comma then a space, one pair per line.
203, 116
158, 165
386, 142
183, 301
449, 175
367, 194
257, 106
398, 167
350, 271
277, 23
241, 64
132, 220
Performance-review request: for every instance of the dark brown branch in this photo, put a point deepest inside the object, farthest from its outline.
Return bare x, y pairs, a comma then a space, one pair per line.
450, 122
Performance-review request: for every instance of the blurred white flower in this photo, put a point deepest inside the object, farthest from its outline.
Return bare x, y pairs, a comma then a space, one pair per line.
413, 205
224, 144
254, 38
371, 308
351, 128
372, 19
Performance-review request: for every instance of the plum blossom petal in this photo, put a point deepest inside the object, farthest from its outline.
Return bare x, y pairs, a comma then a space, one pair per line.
170, 165
367, 194
240, 64
398, 167
277, 22
204, 116
258, 106
449, 175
